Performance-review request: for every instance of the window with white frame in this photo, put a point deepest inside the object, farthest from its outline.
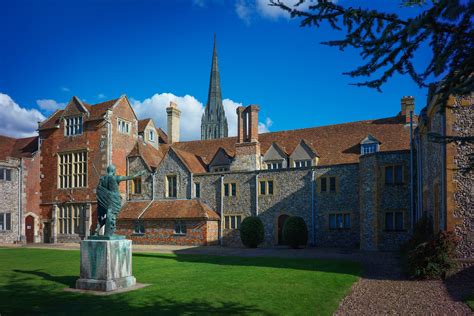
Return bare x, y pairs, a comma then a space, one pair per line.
303, 163
151, 135
71, 219
139, 228
340, 221
123, 126
369, 148
171, 186
73, 125
179, 228
274, 165
232, 221
5, 174
197, 190
72, 170
5, 221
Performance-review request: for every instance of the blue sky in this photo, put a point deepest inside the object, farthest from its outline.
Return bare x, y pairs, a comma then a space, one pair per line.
156, 51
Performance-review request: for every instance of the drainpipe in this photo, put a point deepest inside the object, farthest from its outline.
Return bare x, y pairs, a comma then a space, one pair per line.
443, 174
20, 189
256, 194
153, 175
221, 231
411, 169
191, 180
313, 215
420, 177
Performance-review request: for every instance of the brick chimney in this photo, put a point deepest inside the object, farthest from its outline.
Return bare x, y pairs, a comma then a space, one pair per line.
173, 122
247, 148
408, 105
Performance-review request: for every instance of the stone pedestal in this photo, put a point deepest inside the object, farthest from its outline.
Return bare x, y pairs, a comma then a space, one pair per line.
106, 264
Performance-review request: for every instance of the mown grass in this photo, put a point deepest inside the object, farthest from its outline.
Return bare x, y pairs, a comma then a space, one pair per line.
33, 281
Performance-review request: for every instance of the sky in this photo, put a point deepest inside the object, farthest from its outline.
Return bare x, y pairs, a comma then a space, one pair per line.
157, 51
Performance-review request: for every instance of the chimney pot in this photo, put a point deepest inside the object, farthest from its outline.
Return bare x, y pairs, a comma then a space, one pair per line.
173, 122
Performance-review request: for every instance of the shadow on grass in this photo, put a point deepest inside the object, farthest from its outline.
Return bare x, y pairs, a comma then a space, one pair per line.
320, 265
26, 293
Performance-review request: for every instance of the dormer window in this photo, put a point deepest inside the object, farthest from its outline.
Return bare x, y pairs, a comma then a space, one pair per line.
369, 145
303, 163
73, 126
151, 136
369, 148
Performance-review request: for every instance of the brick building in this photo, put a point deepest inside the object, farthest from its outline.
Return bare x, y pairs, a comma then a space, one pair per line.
20, 218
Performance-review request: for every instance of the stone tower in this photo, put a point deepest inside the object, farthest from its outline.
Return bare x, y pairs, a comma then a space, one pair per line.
214, 122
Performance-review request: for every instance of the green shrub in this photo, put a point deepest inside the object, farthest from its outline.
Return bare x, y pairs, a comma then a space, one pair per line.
295, 232
252, 231
422, 232
433, 258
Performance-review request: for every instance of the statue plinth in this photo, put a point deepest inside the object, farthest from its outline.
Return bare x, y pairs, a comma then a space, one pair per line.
106, 264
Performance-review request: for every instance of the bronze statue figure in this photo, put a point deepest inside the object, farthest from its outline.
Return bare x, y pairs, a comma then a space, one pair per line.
109, 200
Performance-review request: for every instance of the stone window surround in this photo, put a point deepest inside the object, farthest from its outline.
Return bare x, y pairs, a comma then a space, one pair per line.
393, 165
6, 222
267, 186
197, 189
229, 190
394, 230
70, 218
139, 228
72, 127
232, 221
328, 184
302, 163
343, 221
167, 193
5, 174
151, 135
180, 228
123, 126
136, 184
74, 165
274, 164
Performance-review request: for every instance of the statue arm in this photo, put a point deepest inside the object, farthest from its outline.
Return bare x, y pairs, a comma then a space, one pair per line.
125, 178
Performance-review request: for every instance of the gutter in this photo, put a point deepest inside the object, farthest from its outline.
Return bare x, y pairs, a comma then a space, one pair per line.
256, 194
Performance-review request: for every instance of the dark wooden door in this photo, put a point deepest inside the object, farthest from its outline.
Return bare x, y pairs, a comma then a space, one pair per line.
281, 222
47, 232
30, 228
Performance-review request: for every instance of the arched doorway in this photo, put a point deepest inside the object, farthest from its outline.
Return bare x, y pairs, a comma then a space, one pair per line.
281, 222
30, 228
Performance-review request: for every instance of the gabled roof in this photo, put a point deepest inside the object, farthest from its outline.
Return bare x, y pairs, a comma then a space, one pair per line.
277, 148
150, 155
307, 147
221, 158
17, 147
336, 144
192, 162
167, 210
142, 124
369, 140
163, 137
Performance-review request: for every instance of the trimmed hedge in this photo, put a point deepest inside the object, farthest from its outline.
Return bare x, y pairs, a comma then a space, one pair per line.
252, 231
295, 232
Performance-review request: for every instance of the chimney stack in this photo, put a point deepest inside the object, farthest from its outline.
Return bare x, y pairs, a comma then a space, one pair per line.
247, 148
173, 122
408, 105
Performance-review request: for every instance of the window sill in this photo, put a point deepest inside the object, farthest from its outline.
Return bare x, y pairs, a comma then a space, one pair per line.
138, 234
179, 235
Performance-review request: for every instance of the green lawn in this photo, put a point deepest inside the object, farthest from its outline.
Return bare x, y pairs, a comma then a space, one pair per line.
32, 281
470, 302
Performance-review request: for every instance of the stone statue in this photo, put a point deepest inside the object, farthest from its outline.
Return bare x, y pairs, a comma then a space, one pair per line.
109, 200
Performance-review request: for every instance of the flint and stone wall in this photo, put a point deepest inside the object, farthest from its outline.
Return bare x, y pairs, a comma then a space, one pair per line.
9, 200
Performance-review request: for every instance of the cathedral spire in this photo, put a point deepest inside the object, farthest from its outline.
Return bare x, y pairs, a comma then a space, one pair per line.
214, 122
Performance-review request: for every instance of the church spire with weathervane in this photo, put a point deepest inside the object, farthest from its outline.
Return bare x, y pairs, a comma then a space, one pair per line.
214, 122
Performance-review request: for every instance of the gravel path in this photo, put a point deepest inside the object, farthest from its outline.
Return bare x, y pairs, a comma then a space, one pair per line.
382, 290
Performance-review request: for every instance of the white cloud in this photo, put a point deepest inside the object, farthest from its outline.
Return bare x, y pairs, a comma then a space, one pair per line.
101, 96
16, 121
191, 113
50, 105
244, 9
65, 89
265, 127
